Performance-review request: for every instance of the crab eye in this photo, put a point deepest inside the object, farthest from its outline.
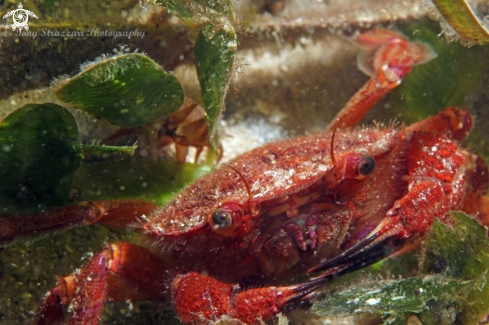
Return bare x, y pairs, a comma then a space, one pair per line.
221, 218
366, 166
226, 218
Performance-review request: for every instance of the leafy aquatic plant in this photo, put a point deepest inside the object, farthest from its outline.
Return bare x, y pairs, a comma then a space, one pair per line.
127, 89
452, 284
41, 147
215, 48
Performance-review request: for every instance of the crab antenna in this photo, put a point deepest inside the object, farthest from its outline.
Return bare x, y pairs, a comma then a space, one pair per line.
332, 151
244, 180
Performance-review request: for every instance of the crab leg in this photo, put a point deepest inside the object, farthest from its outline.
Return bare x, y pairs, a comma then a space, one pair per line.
120, 272
203, 300
387, 57
127, 271
113, 213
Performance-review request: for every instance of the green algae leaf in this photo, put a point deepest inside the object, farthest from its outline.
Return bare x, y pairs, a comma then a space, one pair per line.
38, 157
127, 90
89, 151
461, 252
152, 181
392, 298
443, 82
215, 51
460, 16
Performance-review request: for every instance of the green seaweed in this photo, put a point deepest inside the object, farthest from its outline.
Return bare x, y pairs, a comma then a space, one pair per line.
454, 277
392, 298
443, 82
215, 49
463, 20
38, 158
215, 52
126, 90
89, 151
461, 252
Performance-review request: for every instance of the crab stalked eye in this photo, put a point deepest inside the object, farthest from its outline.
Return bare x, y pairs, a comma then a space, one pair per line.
366, 166
221, 218
226, 218
358, 167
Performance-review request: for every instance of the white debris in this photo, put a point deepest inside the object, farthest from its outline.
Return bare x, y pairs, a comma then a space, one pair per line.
372, 301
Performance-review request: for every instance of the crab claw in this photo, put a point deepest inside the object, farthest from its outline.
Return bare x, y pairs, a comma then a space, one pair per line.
297, 293
410, 218
203, 300
380, 243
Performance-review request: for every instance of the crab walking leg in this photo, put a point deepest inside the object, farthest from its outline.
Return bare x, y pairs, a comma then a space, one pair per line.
113, 213
120, 272
130, 272
363, 100
387, 57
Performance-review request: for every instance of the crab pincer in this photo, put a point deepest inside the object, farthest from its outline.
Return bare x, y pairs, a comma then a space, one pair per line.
435, 180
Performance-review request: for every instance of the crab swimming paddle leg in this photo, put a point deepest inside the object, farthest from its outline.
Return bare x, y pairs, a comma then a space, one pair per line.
387, 57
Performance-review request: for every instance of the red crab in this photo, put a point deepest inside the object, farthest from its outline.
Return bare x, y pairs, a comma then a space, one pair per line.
185, 128
335, 201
